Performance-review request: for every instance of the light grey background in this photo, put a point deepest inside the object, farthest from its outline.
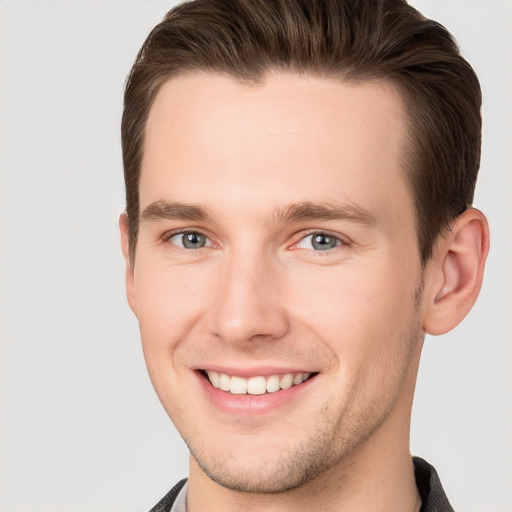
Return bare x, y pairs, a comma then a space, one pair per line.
80, 426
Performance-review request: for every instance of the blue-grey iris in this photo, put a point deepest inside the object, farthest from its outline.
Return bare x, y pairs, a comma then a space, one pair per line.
193, 240
323, 242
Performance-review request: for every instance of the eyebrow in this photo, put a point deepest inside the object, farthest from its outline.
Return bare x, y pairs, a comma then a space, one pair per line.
309, 211
164, 210
297, 212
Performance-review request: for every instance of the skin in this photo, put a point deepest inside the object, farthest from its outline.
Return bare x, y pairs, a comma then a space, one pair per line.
259, 297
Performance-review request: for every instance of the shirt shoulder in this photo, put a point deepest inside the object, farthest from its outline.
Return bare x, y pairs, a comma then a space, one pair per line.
432, 494
166, 503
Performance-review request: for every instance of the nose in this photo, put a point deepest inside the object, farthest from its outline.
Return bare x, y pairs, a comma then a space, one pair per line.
249, 305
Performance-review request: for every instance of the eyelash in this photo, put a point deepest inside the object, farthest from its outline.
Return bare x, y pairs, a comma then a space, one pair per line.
167, 238
339, 241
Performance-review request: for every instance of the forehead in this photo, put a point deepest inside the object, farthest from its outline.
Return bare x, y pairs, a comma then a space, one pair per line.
298, 138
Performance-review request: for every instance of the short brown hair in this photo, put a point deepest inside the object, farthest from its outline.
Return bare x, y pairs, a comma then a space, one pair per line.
353, 40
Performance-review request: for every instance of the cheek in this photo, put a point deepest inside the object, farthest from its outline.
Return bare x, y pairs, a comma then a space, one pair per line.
167, 310
343, 296
361, 312
169, 303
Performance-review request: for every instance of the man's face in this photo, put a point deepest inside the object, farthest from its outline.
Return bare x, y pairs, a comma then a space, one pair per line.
277, 242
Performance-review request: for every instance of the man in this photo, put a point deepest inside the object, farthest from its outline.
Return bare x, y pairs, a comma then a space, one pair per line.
299, 178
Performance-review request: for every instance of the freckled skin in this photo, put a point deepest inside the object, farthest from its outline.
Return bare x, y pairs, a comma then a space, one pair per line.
259, 294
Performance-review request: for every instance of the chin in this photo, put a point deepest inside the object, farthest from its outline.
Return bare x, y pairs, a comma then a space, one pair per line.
276, 467
266, 477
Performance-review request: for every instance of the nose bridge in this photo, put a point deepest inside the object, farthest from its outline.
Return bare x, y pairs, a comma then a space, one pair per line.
248, 303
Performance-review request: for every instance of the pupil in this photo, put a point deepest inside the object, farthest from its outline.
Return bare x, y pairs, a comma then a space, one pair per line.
193, 240
323, 242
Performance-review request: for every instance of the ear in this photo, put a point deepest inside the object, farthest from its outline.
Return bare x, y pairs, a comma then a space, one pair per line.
129, 270
456, 272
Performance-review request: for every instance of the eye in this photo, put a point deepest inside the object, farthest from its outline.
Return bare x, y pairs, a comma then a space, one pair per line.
319, 242
190, 240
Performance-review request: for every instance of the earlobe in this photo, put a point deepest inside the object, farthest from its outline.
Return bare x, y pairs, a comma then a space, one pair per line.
456, 272
129, 271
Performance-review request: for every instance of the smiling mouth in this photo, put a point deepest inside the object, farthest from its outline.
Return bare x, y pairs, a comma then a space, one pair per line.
259, 385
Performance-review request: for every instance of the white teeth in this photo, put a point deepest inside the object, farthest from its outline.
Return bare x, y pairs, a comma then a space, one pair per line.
286, 381
255, 385
238, 386
273, 383
214, 379
224, 381
298, 378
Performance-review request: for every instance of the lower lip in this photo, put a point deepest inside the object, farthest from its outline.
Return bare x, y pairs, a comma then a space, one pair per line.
252, 404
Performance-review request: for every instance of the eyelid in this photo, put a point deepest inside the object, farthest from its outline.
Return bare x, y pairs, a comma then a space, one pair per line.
166, 237
343, 240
